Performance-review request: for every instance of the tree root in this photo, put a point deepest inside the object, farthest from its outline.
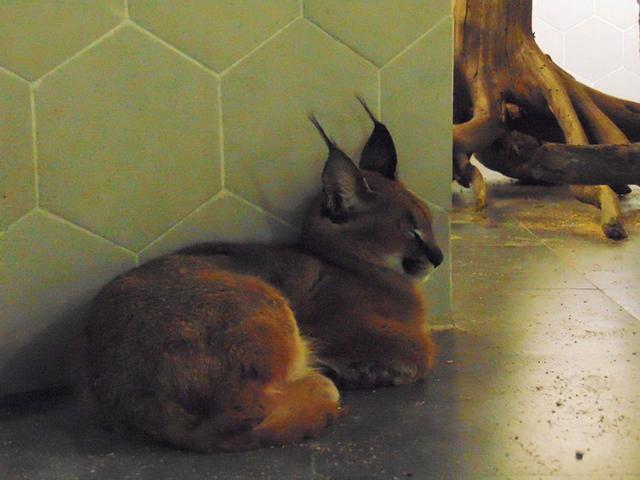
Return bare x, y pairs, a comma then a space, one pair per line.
503, 79
467, 175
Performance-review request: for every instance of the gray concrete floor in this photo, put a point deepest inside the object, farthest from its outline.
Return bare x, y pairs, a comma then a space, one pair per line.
543, 368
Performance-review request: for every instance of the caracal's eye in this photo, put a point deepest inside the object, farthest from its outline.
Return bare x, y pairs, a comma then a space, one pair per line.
414, 234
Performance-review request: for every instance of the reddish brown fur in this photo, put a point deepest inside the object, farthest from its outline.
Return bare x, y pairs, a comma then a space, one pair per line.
204, 349
197, 356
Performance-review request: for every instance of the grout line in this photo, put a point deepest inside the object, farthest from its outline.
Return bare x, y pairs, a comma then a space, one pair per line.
13, 74
4, 231
555, 289
173, 48
379, 79
218, 195
61, 219
547, 24
608, 74
633, 315
581, 22
435, 206
34, 145
611, 24
263, 211
595, 287
558, 257
110, 33
450, 279
221, 137
258, 47
412, 44
223, 193
360, 55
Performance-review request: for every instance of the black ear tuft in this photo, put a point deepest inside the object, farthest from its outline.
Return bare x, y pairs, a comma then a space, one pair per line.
345, 189
331, 145
379, 153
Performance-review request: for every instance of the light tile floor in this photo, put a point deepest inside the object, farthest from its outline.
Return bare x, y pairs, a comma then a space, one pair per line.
544, 363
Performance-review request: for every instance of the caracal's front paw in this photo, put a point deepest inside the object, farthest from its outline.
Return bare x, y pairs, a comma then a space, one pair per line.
352, 374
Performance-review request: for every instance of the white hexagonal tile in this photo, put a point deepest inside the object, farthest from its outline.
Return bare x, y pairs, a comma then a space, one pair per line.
369, 26
632, 49
128, 138
621, 83
549, 39
273, 155
17, 173
593, 63
563, 14
37, 35
225, 218
217, 33
50, 269
622, 13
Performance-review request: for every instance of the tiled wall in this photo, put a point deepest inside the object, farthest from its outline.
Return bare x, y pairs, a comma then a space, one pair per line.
129, 129
597, 41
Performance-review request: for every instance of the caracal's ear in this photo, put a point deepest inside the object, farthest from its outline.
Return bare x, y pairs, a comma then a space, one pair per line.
345, 190
379, 153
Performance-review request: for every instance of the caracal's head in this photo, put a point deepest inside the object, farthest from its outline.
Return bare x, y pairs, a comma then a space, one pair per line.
366, 215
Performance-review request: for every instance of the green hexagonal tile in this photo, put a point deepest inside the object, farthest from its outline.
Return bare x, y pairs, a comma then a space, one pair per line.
273, 155
437, 288
377, 29
417, 102
223, 219
37, 35
48, 272
128, 138
17, 176
213, 32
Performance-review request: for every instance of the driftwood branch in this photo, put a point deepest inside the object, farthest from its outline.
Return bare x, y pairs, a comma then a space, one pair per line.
586, 164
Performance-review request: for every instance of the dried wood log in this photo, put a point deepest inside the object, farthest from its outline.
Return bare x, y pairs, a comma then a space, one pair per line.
504, 83
587, 164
